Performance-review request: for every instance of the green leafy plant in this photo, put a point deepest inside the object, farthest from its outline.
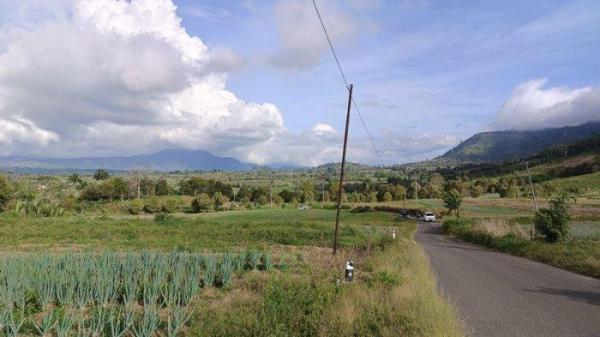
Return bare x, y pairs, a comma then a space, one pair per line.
452, 201
45, 325
552, 223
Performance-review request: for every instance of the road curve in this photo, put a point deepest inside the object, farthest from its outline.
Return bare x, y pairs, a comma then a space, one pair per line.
502, 295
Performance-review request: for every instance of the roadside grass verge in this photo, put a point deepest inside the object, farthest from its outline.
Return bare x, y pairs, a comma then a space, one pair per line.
578, 255
394, 295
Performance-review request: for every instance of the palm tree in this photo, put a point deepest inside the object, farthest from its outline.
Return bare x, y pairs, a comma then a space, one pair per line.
101, 174
74, 178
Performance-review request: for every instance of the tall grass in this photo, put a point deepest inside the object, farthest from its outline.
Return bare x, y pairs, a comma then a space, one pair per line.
394, 294
581, 255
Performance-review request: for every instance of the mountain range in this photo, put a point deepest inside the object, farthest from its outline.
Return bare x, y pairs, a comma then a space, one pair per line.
493, 147
166, 160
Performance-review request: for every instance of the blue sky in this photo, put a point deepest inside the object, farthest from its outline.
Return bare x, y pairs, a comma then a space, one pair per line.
441, 65
426, 73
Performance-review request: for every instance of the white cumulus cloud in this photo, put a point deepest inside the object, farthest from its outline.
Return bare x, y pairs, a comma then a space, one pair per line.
99, 77
533, 106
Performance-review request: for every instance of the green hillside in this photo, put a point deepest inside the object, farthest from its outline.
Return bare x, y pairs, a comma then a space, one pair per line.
499, 146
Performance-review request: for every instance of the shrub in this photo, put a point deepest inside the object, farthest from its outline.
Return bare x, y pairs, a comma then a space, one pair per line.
165, 219
152, 205
363, 209
454, 226
219, 200
172, 205
135, 206
201, 203
553, 223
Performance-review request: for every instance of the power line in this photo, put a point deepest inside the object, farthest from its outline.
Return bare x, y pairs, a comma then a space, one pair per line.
337, 61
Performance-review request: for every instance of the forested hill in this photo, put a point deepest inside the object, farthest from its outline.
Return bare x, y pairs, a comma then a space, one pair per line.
498, 146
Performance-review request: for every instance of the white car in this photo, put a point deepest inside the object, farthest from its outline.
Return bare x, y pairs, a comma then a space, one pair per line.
429, 217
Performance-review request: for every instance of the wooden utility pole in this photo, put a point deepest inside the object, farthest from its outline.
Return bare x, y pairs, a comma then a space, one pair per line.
535, 204
341, 189
323, 192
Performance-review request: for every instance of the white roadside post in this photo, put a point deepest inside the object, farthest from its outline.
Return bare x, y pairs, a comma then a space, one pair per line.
394, 234
349, 275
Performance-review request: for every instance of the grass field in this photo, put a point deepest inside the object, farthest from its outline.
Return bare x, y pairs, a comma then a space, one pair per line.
394, 293
208, 232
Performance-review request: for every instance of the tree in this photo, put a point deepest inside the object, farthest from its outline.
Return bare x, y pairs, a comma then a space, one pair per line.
5, 191
120, 188
262, 200
387, 197
399, 192
308, 192
147, 186
452, 201
201, 203
219, 200
101, 174
476, 191
286, 195
436, 185
553, 223
244, 194
74, 178
162, 187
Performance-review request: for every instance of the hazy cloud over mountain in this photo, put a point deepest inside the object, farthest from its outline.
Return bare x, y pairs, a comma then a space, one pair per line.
532, 106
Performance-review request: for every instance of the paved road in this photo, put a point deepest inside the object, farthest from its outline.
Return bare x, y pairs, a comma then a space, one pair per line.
502, 295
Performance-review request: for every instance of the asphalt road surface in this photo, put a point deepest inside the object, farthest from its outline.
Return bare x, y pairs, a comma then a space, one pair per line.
502, 295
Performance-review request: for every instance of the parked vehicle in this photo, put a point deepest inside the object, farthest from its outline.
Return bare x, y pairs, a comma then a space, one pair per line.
429, 217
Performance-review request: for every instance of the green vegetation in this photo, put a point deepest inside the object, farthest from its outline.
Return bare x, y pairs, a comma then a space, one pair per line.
295, 293
498, 146
580, 254
552, 223
109, 292
261, 238
394, 295
452, 201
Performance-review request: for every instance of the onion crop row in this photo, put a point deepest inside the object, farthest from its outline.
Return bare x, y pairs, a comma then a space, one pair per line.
41, 291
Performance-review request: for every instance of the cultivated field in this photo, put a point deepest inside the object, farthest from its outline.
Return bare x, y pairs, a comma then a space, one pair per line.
237, 273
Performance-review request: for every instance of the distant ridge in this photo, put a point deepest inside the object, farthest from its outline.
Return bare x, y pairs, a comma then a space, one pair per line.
166, 160
498, 146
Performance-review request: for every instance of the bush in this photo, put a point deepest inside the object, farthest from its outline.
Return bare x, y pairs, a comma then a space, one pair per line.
152, 205
456, 226
363, 209
172, 205
165, 219
553, 223
201, 203
135, 206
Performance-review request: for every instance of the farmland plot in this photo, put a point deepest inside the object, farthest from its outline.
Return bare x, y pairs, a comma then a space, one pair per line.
111, 294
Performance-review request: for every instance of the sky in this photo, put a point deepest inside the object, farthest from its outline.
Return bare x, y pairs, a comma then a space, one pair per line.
255, 80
